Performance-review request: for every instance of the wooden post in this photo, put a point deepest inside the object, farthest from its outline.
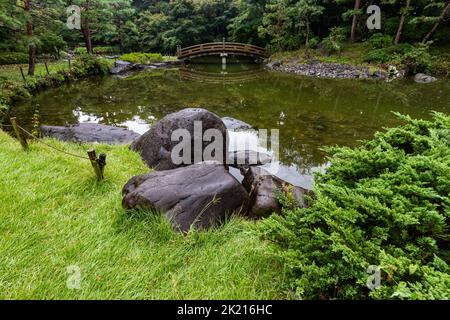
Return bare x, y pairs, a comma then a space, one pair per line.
19, 133
102, 163
97, 164
23, 75
69, 63
46, 67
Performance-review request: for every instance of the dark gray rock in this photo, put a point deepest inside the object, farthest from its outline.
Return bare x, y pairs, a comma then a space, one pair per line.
262, 187
90, 132
274, 64
155, 146
201, 195
245, 158
122, 67
235, 124
423, 78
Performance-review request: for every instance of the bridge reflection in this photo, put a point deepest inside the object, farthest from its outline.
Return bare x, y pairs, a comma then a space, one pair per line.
222, 76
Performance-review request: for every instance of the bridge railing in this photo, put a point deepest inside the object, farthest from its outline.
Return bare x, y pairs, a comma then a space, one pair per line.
219, 47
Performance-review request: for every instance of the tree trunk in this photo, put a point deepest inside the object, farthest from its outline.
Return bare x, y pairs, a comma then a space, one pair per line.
86, 30
307, 32
441, 17
355, 21
402, 22
31, 46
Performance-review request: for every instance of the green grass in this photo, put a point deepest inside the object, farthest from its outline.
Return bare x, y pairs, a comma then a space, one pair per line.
54, 214
12, 72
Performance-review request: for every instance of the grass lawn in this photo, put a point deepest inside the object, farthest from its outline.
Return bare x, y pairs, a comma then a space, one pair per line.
12, 71
53, 214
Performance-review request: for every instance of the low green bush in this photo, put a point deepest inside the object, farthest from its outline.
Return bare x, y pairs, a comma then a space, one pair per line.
384, 204
89, 65
418, 59
140, 57
379, 40
412, 58
80, 50
388, 54
13, 58
106, 50
335, 40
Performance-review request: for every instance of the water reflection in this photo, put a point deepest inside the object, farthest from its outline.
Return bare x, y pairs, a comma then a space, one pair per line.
310, 113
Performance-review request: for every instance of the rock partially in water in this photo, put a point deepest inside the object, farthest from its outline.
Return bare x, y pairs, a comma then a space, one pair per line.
262, 187
274, 64
245, 158
90, 132
155, 146
122, 67
235, 124
201, 195
424, 78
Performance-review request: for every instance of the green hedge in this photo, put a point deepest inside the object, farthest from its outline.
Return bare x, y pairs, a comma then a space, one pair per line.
80, 50
384, 204
13, 58
140, 57
106, 50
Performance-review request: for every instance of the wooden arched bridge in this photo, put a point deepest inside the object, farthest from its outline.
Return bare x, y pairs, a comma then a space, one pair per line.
221, 49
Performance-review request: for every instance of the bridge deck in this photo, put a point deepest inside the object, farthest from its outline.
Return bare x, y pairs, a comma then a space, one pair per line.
221, 47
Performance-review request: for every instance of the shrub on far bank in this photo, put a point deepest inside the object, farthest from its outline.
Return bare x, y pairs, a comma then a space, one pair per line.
80, 50
335, 40
13, 58
89, 65
385, 204
105, 50
97, 50
140, 57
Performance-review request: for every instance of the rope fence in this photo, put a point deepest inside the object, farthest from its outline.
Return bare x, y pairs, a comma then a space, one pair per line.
98, 163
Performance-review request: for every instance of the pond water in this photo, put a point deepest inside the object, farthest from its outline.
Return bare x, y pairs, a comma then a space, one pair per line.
310, 113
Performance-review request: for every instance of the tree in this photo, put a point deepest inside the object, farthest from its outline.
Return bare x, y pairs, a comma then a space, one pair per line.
438, 21
405, 11
92, 11
244, 26
308, 10
355, 20
277, 24
29, 32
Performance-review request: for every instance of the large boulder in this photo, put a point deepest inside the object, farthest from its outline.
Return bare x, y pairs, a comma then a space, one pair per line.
90, 132
423, 78
262, 188
201, 195
155, 146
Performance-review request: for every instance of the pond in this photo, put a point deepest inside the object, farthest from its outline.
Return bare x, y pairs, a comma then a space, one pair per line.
310, 113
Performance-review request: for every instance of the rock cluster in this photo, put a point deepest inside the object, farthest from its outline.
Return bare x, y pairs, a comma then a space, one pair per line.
319, 69
202, 195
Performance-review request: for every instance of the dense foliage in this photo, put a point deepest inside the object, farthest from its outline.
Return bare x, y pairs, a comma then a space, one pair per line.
161, 25
13, 57
386, 204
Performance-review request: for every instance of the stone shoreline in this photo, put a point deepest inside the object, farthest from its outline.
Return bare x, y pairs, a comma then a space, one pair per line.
315, 68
